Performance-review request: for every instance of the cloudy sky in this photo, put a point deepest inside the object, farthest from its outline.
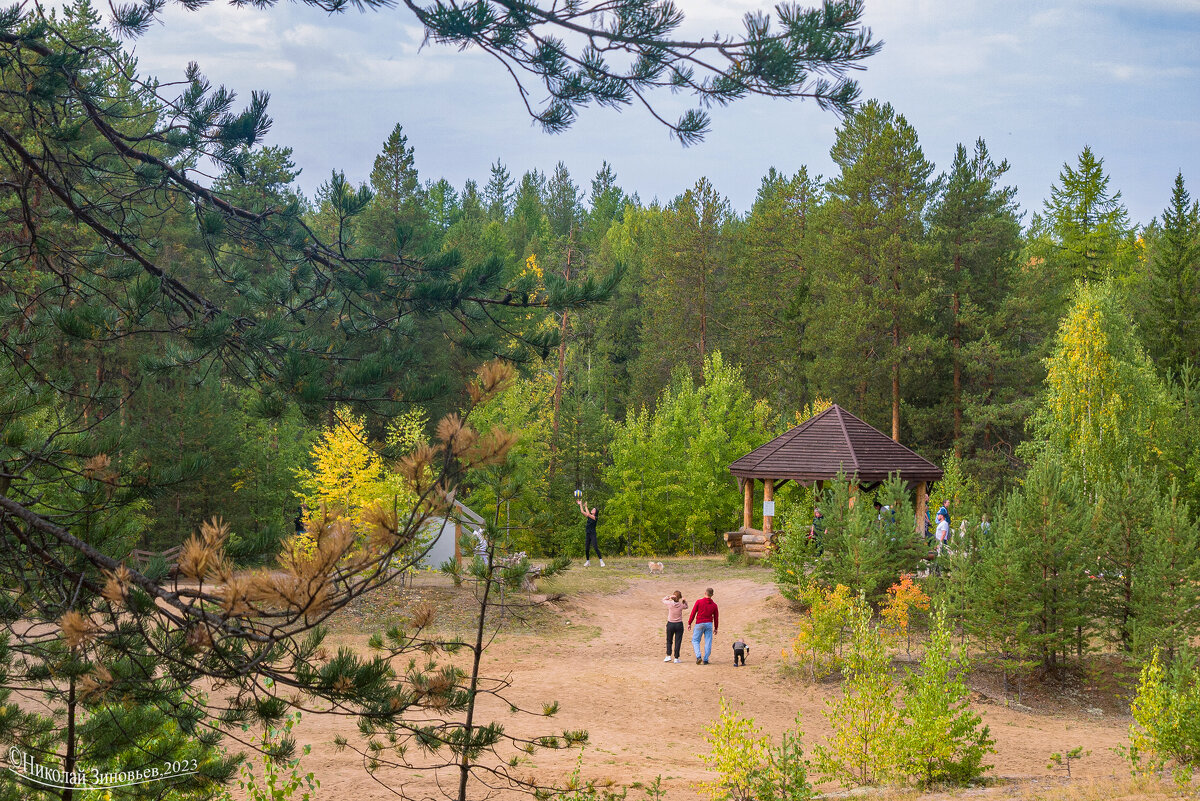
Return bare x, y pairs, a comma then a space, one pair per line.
1037, 81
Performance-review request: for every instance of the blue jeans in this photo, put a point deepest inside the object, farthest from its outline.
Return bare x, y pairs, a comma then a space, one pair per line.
704, 630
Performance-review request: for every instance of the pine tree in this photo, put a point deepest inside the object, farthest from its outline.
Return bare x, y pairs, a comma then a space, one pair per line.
563, 255
246, 283
1173, 334
441, 205
867, 288
1001, 608
685, 277
497, 193
396, 219
618, 325
628, 52
606, 201
1085, 229
1125, 505
1166, 587
1052, 546
466, 234
768, 287
564, 209
528, 227
394, 175
863, 549
975, 233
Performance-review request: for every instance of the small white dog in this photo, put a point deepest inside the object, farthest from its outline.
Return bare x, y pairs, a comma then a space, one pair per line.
656, 567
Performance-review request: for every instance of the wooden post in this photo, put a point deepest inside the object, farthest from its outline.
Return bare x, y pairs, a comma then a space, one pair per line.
747, 502
922, 499
768, 496
853, 493
457, 547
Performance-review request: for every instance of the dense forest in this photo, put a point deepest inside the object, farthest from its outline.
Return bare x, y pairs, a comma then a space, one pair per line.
921, 299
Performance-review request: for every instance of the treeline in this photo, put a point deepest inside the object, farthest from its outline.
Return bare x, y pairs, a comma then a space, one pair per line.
915, 298
919, 299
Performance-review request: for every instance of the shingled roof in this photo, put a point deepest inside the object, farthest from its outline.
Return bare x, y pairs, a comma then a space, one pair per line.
834, 440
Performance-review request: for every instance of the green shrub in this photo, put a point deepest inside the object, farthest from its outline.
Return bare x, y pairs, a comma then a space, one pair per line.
942, 742
749, 767
1166, 713
864, 746
738, 755
785, 775
281, 779
818, 643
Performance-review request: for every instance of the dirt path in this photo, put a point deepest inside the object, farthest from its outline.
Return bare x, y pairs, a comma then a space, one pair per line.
646, 717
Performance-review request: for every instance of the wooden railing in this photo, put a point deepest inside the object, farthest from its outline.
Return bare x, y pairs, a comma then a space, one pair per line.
143, 558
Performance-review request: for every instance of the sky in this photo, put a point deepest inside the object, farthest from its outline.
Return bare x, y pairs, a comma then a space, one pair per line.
1036, 80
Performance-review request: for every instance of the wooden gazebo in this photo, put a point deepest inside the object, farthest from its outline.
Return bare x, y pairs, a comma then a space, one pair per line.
816, 451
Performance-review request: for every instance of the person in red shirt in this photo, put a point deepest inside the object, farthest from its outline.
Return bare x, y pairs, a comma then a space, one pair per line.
708, 620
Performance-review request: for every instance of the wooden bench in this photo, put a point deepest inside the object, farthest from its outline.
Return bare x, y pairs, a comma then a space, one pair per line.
142, 559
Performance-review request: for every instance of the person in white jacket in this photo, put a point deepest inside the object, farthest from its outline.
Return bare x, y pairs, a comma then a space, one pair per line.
941, 533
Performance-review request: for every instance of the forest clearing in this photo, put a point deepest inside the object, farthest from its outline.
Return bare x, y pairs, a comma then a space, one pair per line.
596, 647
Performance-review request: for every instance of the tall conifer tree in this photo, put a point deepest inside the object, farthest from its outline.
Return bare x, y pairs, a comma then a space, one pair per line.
769, 286
975, 233
868, 288
396, 217
1052, 546
497, 193
1173, 334
1084, 230
686, 272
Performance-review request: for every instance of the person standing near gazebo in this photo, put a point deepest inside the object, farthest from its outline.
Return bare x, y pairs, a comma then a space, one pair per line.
817, 530
942, 535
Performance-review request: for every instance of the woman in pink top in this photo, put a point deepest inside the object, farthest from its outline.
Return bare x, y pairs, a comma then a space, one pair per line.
675, 606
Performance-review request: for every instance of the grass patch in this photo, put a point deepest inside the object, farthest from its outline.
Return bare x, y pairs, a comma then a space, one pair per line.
1105, 789
620, 572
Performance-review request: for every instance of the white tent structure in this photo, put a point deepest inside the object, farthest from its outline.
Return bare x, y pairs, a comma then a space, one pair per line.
446, 532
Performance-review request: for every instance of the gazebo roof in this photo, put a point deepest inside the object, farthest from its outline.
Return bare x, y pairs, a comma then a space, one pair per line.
833, 441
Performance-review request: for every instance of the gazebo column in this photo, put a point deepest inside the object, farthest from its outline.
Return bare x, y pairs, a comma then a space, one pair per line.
922, 499
853, 494
768, 497
747, 502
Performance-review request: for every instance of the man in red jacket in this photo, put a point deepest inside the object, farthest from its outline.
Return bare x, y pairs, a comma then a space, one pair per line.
708, 620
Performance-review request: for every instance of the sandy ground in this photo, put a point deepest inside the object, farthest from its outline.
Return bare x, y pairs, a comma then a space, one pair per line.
601, 657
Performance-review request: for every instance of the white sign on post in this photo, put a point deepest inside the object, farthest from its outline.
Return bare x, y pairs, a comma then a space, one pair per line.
768, 508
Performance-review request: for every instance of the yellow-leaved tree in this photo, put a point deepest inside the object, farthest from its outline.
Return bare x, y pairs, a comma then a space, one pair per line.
348, 478
1104, 402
